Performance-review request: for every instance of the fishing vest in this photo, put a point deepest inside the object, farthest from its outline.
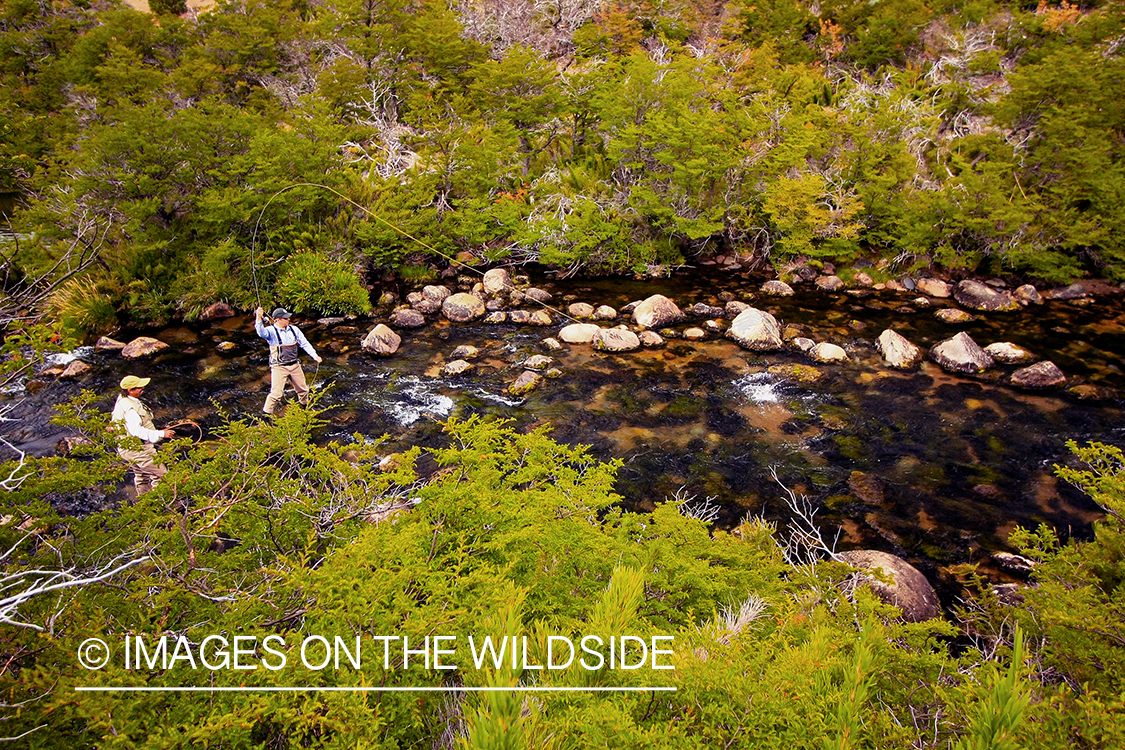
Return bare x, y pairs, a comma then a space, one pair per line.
284, 354
126, 404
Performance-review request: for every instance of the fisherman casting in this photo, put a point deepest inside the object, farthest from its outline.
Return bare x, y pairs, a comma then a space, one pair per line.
137, 418
284, 339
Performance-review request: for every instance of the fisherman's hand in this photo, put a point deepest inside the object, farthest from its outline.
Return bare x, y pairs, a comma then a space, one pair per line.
169, 434
317, 359
259, 312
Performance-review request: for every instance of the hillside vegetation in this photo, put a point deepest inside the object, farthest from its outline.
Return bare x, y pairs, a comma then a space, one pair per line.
978, 136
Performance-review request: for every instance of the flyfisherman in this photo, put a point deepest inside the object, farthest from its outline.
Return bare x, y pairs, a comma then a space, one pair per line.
137, 419
284, 339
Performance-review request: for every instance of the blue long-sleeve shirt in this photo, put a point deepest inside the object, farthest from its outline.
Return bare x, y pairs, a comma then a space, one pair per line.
277, 337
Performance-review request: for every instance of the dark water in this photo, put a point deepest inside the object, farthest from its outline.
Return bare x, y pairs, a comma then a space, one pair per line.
934, 467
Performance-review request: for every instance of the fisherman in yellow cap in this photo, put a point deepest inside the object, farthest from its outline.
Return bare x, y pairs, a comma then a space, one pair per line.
284, 340
137, 419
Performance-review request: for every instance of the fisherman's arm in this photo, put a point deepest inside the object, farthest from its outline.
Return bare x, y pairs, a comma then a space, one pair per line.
260, 328
304, 342
133, 427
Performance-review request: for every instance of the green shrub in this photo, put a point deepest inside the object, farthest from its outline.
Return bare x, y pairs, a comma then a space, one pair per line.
83, 309
312, 281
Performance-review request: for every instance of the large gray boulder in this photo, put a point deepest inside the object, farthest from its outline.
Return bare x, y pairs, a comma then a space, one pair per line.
756, 330
1039, 375
579, 333
657, 311
897, 351
437, 293
960, 354
381, 341
905, 587
463, 307
616, 340
978, 296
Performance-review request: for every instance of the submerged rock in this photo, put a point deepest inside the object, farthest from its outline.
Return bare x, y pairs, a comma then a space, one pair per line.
462, 307
226, 346
756, 330
1039, 375
657, 311
381, 341
897, 351
960, 354
978, 296
953, 315
800, 373
1009, 353
407, 318
142, 346
525, 383
908, 589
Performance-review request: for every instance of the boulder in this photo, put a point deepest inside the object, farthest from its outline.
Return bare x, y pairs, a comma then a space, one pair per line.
1076, 290
579, 333
142, 346
436, 293
217, 310
456, 367
829, 283
934, 288
106, 344
1008, 353
695, 334
921, 302
538, 362
897, 351
75, 369
526, 382
538, 295
863, 281
382, 341
407, 318
733, 308
581, 311
616, 340
978, 296
495, 304
1028, 295
953, 315
462, 307
532, 318
604, 312
426, 306
496, 318
828, 353
1044, 374
656, 311
496, 281
803, 344
756, 330
650, 339
777, 288
552, 344
465, 351
905, 587
700, 310
960, 354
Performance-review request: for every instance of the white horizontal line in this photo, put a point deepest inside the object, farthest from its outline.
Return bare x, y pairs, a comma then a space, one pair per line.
423, 689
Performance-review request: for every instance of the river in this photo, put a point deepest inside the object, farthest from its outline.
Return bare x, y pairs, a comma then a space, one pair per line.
934, 467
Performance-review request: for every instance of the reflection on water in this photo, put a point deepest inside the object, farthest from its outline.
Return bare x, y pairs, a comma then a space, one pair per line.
932, 466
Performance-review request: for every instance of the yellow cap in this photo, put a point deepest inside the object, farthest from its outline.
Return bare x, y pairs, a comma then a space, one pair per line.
130, 382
